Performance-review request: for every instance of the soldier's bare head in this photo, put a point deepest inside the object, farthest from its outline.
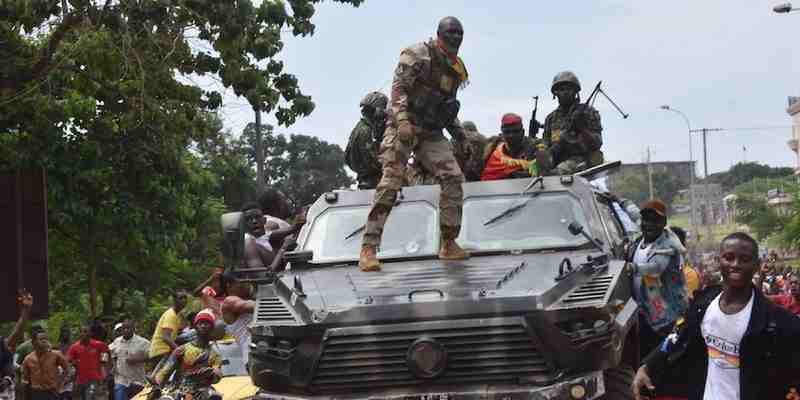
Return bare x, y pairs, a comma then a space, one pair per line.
450, 33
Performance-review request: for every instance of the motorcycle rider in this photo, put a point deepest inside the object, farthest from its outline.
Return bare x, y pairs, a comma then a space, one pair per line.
197, 365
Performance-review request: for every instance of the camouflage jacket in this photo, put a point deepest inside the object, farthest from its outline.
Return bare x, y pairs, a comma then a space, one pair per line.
424, 90
361, 154
560, 132
469, 154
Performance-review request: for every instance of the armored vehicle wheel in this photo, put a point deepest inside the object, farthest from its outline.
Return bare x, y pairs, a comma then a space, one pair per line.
618, 383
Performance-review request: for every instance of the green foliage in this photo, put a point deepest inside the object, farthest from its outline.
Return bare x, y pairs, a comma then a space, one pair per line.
746, 172
302, 167
754, 212
636, 188
138, 167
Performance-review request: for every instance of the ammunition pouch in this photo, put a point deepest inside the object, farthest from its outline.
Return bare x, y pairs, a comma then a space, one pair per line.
435, 111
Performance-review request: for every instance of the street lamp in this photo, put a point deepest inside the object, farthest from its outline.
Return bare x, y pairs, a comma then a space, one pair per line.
692, 217
784, 8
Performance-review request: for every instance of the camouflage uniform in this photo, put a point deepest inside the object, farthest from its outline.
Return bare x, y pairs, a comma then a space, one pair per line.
423, 92
361, 154
417, 175
574, 153
469, 153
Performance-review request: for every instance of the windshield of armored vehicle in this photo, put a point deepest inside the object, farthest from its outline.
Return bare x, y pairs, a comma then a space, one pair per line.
541, 223
411, 230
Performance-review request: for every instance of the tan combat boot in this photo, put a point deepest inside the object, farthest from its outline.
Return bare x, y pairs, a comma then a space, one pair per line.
368, 260
452, 251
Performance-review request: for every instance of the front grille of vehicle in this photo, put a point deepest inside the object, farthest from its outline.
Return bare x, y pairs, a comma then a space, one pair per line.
481, 351
593, 290
271, 310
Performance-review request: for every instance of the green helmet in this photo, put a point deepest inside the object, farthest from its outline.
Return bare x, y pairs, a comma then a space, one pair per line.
376, 100
566, 76
470, 126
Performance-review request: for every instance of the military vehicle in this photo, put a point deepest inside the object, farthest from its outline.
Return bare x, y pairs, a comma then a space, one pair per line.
542, 309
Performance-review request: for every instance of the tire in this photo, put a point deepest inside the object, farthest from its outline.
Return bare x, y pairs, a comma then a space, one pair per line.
618, 383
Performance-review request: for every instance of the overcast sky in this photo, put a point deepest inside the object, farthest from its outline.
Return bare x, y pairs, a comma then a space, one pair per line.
725, 64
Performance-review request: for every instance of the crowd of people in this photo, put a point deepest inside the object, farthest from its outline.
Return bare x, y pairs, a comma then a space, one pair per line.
703, 337
117, 366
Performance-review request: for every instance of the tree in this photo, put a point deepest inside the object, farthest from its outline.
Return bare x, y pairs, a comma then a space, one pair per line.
746, 172
303, 167
754, 212
99, 99
636, 188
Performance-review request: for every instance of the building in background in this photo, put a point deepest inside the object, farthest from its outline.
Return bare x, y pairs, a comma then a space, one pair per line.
794, 111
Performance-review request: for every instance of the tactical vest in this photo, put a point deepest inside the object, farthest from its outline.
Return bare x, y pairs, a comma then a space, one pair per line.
432, 100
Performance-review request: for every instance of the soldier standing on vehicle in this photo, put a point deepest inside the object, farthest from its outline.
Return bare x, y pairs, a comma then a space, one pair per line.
424, 103
361, 154
573, 131
469, 153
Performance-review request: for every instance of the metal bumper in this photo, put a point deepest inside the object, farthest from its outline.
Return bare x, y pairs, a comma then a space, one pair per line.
582, 387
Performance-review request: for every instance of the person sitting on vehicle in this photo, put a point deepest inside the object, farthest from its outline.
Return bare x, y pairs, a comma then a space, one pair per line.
276, 207
197, 364
515, 156
258, 248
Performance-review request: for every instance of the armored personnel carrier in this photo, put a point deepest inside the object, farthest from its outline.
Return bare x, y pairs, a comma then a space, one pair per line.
542, 309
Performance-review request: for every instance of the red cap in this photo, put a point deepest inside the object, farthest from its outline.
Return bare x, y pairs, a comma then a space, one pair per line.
511, 119
205, 315
655, 205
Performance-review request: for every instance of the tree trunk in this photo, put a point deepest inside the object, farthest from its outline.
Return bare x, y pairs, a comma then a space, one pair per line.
108, 302
92, 289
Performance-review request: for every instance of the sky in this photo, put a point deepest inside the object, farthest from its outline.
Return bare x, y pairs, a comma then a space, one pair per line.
725, 64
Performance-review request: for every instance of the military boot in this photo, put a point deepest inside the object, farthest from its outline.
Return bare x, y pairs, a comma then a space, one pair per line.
368, 260
452, 251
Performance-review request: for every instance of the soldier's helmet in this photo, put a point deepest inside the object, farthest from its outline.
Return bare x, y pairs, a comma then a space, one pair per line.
469, 126
376, 100
566, 77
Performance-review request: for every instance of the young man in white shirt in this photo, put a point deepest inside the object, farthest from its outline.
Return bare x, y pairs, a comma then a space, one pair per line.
734, 344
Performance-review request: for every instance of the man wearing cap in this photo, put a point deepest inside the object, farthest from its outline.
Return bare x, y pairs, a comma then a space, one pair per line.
129, 353
659, 286
514, 155
197, 364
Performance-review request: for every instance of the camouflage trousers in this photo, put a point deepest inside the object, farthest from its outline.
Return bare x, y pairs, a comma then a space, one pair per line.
570, 166
436, 155
576, 164
368, 181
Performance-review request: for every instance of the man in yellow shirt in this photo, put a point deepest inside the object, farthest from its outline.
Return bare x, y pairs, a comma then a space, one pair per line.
691, 274
169, 326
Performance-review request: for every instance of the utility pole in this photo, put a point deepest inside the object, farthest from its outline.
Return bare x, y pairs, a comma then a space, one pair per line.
709, 214
259, 155
649, 173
